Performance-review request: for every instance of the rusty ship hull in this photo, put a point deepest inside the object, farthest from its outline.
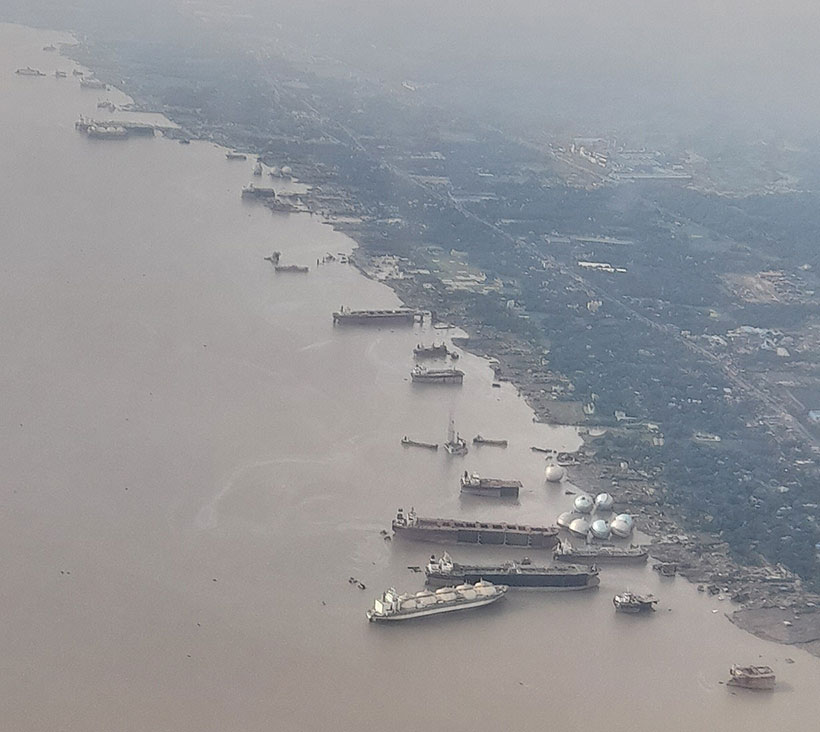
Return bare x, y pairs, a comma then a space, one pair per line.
451, 531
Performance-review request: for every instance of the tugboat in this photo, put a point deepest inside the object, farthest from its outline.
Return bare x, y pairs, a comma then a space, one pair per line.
392, 606
456, 444
517, 575
760, 678
629, 602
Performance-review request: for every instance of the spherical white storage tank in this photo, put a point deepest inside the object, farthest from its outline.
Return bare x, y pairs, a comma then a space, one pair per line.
604, 502
554, 473
599, 529
583, 504
566, 518
579, 526
622, 525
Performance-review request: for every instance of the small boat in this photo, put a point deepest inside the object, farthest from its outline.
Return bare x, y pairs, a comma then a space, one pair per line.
547, 450
629, 602
666, 569
257, 169
273, 258
28, 71
760, 678
407, 442
392, 606
479, 440
77, 72
60, 74
231, 155
252, 191
50, 47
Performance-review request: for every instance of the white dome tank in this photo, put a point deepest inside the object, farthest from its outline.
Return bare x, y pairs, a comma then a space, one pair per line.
554, 473
583, 504
599, 529
565, 519
622, 525
604, 502
579, 526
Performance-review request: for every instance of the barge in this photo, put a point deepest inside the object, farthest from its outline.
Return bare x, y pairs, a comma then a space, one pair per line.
452, 531
518, 575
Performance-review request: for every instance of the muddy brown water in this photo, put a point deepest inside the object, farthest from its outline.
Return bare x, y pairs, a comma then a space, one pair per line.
195, 461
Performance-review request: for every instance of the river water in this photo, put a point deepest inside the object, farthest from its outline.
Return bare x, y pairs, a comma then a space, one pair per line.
195, 461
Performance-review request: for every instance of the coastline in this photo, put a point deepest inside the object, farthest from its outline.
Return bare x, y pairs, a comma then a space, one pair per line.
768, 601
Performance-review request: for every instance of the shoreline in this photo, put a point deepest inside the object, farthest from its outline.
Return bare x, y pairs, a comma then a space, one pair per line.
768, 600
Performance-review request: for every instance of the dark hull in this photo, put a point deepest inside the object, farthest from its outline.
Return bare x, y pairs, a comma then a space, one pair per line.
497, 575
468, 532
507, 491
374, 317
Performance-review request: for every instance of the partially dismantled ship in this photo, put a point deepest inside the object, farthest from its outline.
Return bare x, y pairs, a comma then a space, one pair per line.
589, 554
421, 375
492, 487
761, 678
451, 531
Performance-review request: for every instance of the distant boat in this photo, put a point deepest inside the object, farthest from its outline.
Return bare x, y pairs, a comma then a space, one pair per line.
28, 71
93, 84
230, 155
761, 678
479, 440
257, 169
629, 602
297, 268
407, 442
50, 48
60, 74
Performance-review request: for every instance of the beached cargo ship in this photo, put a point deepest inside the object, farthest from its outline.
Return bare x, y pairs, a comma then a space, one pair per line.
346, 316
492, 487
298, 268
589, 554
629, 602
452, 531
479, 440
252, 191
421, 375
517, 575
761, 678
434, 351
392, 606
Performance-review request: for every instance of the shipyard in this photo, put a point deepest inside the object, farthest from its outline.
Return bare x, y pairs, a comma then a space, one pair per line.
265, 491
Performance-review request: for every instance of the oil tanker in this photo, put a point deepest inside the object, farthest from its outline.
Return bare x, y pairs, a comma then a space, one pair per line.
519, 575
451, 531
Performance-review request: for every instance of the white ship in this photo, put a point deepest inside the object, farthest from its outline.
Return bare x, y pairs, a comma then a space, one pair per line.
392, 606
